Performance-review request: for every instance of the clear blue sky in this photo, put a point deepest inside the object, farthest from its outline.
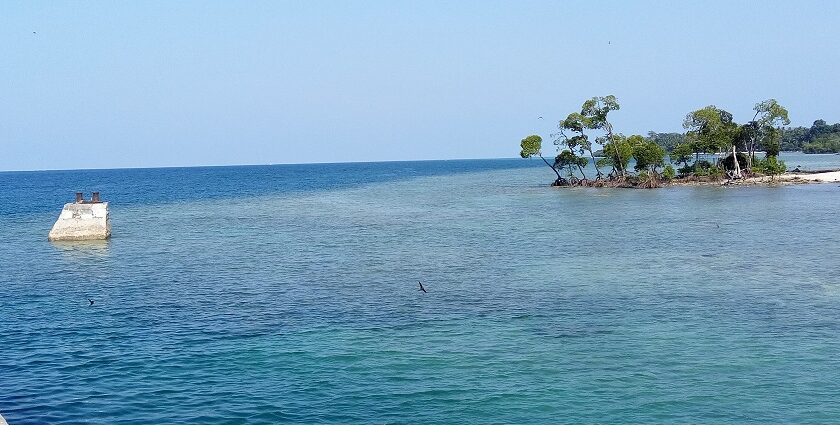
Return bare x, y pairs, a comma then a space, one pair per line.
169, 83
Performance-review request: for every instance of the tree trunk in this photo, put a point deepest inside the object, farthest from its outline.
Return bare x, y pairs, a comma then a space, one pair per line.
737, 166
592, 155
552, 169
581, 172
608, 128
750, 154
618, 155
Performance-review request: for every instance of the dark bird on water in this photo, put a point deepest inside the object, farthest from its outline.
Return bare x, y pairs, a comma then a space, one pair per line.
91, 301
421, 287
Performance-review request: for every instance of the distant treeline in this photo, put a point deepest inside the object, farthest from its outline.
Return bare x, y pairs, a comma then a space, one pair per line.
819, 138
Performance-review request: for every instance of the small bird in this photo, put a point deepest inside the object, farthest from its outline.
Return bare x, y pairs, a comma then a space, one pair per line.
421, 287
539, 118
91, 302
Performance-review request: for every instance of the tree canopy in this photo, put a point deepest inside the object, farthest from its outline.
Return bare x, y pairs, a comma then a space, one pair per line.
713, 146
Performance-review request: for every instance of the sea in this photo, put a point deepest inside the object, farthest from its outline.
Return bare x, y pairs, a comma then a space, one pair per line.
289, 294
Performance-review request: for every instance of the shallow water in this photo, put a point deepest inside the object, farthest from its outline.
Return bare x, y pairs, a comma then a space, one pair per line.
289, 294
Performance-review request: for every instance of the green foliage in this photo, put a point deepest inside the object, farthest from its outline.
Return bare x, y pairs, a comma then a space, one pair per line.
669, 173
710, 129
592, 116
770, 166
668, 141
531, 145
575, 122
568, 160
795, 138
764, 129
596, 110
747, 135
824, 144
771, 142
682, 153
648, 155
770, 114
705, 168
617, 152
758, 165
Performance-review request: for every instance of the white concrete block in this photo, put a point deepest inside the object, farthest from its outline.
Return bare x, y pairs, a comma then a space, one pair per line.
82, 222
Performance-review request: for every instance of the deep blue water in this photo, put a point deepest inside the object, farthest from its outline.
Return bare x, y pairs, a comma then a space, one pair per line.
282, 294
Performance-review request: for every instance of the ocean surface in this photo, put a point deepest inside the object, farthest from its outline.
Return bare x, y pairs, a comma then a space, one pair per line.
288, 294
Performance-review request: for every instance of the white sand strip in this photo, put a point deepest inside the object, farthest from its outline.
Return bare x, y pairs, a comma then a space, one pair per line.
831, 176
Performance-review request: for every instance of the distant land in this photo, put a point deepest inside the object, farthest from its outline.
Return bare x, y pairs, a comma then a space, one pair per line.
819, 138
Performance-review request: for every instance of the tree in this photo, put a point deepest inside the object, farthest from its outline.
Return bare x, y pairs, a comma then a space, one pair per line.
772, 142
576, 123
648, 155
617, 153
711, 130
532, 145
681, 155
567, 159
765, 128
596, 111
771, 166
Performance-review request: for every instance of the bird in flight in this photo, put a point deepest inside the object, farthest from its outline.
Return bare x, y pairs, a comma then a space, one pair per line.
421, 287
91, 302
539, 118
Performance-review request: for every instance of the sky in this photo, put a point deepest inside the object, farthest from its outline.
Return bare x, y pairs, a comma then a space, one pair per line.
182, 83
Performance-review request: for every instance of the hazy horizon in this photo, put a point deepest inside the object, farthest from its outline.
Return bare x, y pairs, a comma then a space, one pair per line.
157, 84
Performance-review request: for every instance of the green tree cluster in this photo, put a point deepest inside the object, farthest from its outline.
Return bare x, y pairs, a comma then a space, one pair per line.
577, 138
713, 145
712, 131
817, 136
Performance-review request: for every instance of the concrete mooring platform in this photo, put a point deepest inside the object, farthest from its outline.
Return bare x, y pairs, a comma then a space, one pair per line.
83, 220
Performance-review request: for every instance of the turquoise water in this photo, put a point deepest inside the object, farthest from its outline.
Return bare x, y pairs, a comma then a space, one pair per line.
289, 294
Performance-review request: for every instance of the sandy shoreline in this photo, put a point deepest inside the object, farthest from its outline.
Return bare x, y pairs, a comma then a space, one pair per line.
789, 178
825, 176
795, 178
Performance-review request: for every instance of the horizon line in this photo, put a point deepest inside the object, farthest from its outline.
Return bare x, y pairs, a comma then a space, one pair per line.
250, 165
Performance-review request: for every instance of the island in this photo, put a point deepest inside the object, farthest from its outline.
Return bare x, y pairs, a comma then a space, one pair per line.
714, 150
